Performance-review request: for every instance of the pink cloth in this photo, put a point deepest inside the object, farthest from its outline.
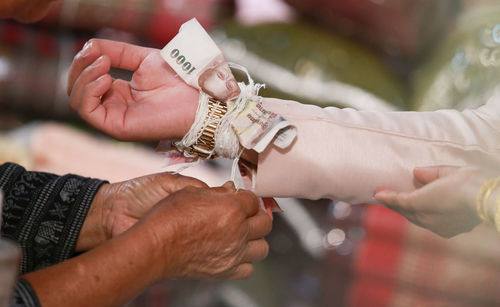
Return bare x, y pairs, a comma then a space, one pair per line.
346, 154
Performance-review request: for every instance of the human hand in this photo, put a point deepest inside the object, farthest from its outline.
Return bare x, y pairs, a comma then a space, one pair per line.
207, 233
118, 206
446, 204
155, 105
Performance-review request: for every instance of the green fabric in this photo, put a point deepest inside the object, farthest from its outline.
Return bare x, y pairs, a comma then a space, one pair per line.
464, 70
306, 50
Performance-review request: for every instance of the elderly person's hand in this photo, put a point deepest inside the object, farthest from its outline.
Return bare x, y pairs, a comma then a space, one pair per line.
118, 206
208, 232
193, 233
445, 204
154, 105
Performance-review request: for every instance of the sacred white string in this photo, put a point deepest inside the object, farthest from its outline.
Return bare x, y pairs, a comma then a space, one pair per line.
227, 144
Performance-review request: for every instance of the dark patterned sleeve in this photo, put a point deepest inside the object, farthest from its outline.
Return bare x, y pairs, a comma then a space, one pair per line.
44, 213
24, 295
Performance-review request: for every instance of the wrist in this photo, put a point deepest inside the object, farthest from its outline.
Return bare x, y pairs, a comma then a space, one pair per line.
188, 113
93, 230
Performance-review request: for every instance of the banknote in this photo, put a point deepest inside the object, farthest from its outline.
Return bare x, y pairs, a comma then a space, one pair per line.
195, 57
256, 127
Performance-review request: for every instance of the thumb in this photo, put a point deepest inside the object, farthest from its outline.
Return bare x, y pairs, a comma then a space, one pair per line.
428, 174
229, 185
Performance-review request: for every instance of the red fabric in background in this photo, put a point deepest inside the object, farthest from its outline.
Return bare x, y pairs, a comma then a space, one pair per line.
377, 258
403, 27
156, 21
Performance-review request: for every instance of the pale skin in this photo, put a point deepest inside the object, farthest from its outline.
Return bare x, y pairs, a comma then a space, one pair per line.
436, 206
154, 105
445, 204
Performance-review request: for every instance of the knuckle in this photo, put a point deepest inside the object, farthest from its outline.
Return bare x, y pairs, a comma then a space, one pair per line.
232, 215
188, 191
250, 196
173, 176
86, 88
264, 248
268, 225
190, 181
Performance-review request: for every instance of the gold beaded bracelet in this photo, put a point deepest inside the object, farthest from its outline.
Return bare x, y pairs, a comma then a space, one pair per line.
482, 201
205, 143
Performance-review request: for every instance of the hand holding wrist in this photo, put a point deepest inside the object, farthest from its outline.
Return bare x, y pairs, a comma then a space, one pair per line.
214, 241
117, 207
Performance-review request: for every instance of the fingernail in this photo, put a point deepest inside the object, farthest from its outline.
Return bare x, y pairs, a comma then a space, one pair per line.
378, 194
86, 49
98, 61
101, 78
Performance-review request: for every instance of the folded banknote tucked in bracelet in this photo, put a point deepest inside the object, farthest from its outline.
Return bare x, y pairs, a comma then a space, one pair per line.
230, 115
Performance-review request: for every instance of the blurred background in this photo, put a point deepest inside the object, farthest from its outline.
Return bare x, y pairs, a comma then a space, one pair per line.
365, 54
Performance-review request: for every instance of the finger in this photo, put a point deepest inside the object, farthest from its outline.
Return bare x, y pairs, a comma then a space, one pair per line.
229, 185
91, 109
393, 200
98, 68
426, 175
249, 202
256, 250
259, 225
388, 197
122, 55
242, 271
175, 182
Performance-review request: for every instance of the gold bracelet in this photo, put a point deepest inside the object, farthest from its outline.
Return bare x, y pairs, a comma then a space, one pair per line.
482, 200
497, 213
205, 144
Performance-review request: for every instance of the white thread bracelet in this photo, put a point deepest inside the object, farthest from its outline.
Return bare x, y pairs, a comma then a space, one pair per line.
227, 144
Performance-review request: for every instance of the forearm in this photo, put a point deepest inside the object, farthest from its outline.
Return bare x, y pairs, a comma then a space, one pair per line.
108, 275
346, 154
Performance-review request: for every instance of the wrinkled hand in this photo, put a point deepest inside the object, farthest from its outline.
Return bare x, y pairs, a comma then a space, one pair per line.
446, 204
208, 233
118, 206
154, 105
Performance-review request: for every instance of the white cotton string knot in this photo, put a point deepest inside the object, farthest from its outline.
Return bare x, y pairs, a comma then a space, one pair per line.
227, 144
